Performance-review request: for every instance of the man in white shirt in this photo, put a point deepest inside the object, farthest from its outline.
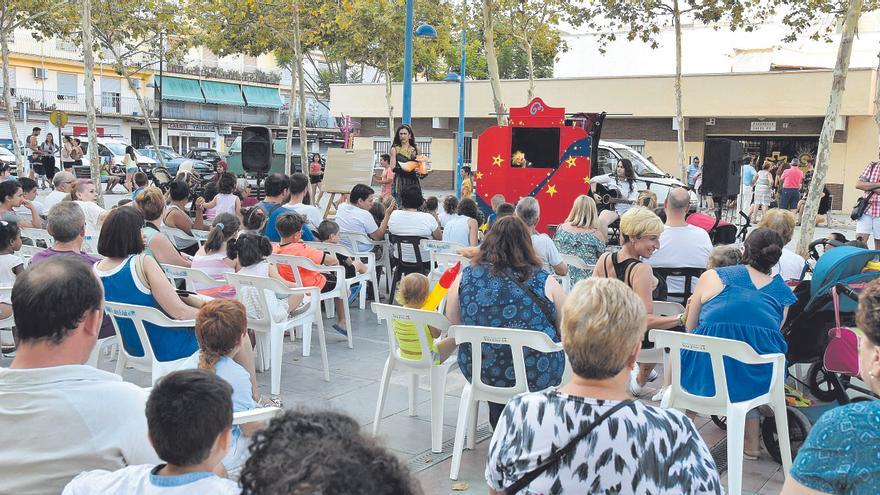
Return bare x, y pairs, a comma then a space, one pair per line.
529, 211
63, 182
681, 245
409, 221
299, 185
59, 417
355, 216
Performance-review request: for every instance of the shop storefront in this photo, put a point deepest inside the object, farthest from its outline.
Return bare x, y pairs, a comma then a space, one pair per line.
186, 136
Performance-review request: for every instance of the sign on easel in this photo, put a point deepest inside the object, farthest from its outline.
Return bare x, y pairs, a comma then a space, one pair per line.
345, 169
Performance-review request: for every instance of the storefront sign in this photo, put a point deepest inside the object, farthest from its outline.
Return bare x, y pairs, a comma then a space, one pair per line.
763, 126
193, 127
174, 132
224, 130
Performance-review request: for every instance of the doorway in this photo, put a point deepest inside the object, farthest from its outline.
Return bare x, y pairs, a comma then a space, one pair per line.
759, 148
140, 138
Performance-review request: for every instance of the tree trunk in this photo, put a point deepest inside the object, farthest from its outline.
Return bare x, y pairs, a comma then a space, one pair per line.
10, 109
492, 61
288, 146
877, 97
838, 83
303, 132
679, 117
531, 60
91, 124
141, 103
388, 101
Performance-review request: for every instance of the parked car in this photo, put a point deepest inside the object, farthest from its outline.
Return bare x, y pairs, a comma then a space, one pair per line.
110, 150
209, 155
648, 176
173, 160
7, 157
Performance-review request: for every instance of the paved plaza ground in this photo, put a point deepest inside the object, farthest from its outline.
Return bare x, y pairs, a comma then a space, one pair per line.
353, 389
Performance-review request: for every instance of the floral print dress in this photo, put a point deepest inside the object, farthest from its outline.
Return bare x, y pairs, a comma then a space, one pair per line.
584, 245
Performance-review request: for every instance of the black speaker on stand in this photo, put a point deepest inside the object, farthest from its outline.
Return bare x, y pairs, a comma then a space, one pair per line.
256, 152
722, 168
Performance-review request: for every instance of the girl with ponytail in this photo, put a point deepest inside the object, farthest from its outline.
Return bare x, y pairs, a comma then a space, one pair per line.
251, 251
221, 330
741, 302
212, 257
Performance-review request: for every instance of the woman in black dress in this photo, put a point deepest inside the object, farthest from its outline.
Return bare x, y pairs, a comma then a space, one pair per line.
403, 150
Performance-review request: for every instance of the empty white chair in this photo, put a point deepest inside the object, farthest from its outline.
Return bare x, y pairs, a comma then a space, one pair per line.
269, 332
194, 277
720, 404
424, 366
443, 254
338, 292
138, 315
356, 241
37, 234
359, 278
100, 344
477, 391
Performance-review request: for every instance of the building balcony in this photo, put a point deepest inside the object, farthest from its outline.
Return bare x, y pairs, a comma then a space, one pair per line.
106, 104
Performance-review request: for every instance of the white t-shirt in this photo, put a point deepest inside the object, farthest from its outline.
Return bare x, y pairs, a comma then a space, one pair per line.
25, 212
353, 219
54, 198
62, 420
92, 212
790, 266
546, 250
445, 217
458, 230
625, 190
312, 213
682, 247
141, 480
412, 223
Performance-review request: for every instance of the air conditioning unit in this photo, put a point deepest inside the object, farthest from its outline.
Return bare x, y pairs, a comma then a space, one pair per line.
40, 73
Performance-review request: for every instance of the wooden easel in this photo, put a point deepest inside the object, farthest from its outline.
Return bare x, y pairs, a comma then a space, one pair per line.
345, 168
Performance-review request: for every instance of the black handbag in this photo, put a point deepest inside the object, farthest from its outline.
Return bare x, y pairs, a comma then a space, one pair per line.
526, 479
862, 203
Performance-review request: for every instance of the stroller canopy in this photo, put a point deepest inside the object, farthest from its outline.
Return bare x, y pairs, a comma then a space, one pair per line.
841, 264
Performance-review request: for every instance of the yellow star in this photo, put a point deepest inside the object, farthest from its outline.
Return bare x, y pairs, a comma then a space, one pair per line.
497, 161
587, 179
551, 190
479, 175
521, 122
572, 161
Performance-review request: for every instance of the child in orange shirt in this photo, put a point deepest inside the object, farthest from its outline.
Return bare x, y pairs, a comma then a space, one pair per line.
289, 226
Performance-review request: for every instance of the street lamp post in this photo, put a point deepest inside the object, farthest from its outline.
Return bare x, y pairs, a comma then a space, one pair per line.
423, 31
461, 116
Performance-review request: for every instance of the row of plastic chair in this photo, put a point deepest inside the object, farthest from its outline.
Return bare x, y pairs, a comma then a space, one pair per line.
667, 343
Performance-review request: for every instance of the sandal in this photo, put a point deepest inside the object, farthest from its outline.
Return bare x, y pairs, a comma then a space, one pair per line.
271, 401
751, 456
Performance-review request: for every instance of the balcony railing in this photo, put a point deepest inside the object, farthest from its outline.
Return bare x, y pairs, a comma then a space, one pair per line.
38, 100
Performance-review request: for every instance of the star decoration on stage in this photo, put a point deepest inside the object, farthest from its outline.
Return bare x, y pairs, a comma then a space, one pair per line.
479, 175
571, 162
587, 179
496, 160
551, 190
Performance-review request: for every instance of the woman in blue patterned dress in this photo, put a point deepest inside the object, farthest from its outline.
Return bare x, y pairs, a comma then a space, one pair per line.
842, 450
485, 295
581, 236
745, 303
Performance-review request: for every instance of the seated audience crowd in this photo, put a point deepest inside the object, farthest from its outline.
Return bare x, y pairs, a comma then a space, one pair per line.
69, 427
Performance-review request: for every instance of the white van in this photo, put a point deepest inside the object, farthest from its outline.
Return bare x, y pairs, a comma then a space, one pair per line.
114, 151
649, 176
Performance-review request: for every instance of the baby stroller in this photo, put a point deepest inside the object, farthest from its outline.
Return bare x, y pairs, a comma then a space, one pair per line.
807, 332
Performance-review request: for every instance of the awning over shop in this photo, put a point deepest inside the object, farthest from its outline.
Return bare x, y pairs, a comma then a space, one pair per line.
258, 96
181, 89
222, 93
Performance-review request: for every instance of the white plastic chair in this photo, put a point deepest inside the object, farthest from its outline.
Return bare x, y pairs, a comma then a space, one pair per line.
138, 315
261, 414
443, 254
424, 366
95, 356
193, 277
175, 234
657, 355
359, 278
572, 261
476, 390
338, 292
354, 240
37, 234
270, 333
720, 404
6, 324
27, 252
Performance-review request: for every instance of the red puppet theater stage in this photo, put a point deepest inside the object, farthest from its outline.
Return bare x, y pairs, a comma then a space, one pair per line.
540, 154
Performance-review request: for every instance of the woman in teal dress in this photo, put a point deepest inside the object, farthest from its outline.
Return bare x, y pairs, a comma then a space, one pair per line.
842, 452
581, 236
740, 302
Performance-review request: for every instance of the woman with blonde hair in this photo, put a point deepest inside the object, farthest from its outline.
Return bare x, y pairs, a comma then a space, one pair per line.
640, 231
657, 451
581, 235
791, 266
